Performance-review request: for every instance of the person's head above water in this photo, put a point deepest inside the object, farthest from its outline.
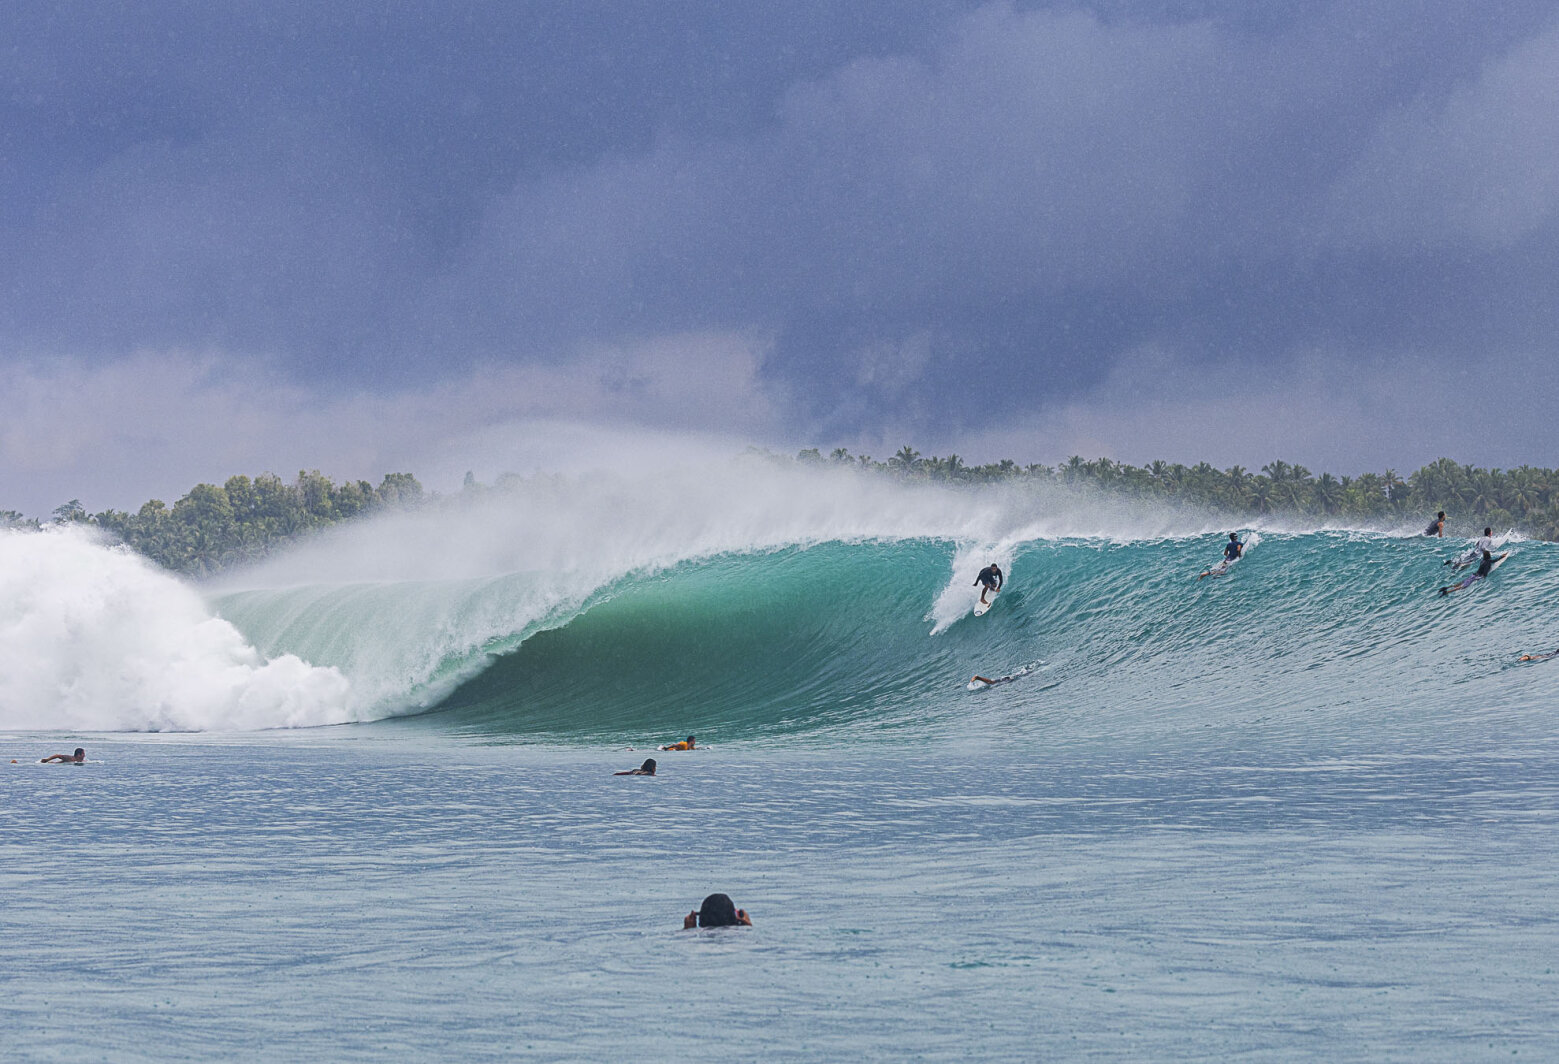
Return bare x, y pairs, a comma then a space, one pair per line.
1234, 535
1487, 556
718, 910
648, 768
1488, 531
1441, 515
79, 753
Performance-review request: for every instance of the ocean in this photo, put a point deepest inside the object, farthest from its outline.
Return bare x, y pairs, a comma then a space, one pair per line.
357, 803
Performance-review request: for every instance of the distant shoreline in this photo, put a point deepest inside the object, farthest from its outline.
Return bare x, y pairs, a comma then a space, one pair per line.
215, 527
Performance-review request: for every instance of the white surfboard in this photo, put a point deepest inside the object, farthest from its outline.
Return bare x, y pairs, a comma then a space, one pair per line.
980, 608
1467, 581
1222, 567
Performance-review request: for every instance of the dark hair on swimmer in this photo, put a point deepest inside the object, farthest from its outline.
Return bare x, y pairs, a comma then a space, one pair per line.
718, 910
690, 738
1234, 535
79, 752
1440, 514
1488, 531
648, 766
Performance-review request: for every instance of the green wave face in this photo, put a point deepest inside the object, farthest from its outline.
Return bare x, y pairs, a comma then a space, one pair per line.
1334, 635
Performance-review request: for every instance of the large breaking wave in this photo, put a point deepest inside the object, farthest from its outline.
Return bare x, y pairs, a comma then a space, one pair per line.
751, 601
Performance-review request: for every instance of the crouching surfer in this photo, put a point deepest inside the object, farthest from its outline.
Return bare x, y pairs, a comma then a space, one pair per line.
989, 582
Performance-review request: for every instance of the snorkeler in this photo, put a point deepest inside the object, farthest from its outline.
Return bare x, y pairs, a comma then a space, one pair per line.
78, 758
718, 910
685, 744
646, 769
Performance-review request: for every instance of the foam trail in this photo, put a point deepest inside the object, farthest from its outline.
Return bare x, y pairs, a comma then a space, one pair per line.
94, 638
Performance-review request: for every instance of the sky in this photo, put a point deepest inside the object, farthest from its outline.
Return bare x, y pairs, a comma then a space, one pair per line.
438, 236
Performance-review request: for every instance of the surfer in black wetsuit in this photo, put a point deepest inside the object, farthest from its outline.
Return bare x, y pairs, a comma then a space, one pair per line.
991, 579
1485, 567
1437, 526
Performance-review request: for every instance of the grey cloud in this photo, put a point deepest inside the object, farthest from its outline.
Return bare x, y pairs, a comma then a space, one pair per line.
1479, 168
913, 207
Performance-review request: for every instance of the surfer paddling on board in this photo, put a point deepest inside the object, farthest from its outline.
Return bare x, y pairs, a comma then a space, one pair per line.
1232, 552
989, 581
1484, 544
78, 758
1539, 657
685, 744
1485, 567
646, 769
1437, 526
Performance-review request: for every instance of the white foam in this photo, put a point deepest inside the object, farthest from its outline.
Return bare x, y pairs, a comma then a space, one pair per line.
95, 638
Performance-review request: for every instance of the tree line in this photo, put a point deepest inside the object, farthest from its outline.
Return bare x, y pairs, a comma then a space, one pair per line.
1525, 498
242, 520
217, 526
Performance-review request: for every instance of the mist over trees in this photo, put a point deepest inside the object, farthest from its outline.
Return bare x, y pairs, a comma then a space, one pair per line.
1525, 498
215, 527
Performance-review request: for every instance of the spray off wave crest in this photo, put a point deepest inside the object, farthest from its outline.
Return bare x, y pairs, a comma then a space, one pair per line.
411, 606
96, 638
754, 599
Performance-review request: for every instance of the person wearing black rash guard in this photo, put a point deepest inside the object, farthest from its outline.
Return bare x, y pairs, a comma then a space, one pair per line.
1437, 526
1485, 567
991, 579
718, 910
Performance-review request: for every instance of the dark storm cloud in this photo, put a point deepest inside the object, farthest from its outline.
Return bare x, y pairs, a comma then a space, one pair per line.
907, 203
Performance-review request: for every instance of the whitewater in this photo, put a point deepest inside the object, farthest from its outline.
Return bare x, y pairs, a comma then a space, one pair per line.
357, 801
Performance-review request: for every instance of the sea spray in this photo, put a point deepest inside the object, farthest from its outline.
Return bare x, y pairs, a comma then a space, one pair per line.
95, 638
410, 606
776, 601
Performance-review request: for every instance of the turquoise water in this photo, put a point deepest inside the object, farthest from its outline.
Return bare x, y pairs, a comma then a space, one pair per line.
1307, 810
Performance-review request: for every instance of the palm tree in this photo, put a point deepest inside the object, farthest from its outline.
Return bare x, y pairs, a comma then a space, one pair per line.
1329, 493
905, 460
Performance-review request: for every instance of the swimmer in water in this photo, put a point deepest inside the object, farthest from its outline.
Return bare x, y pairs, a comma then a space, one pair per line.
1539, 657
646, 769
78, 758
718, 910
685, 744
